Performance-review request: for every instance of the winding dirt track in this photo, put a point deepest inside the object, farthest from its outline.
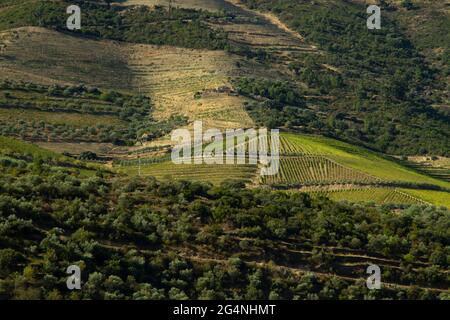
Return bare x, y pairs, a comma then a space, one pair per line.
270, 17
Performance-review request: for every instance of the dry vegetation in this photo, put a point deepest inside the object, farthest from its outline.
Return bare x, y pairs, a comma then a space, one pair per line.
172, 77
210, 5
180, 81
437, 162
44, 56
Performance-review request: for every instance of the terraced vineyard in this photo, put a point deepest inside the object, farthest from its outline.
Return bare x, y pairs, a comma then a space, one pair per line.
204, 173
376, 195
173, 77
314, 161
314, 170
355, 158
401, 197
191, 82
291, 147
318, 161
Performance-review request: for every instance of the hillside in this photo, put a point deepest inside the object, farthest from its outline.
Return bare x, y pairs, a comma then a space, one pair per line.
144, 239
76, 113
307, 60
363, 160
311, 164
186, 81
251, 71
425, 23
48, 57
86, 175
382, 99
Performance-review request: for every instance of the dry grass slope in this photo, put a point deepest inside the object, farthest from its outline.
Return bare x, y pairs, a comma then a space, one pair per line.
180, 73
172, 77
45, 56
210, 5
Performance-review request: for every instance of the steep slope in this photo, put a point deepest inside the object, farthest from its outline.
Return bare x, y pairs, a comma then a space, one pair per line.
393, 114
144, 239
316, 165
153, 70
187, 82
426, 24
260, 79
248, 31
378, 84
73, 113
16, 155
45, 56
209, 5
355, 157
196, 232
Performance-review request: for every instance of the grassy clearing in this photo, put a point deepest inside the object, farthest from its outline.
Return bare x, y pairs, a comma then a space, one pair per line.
354, 157
205, 173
